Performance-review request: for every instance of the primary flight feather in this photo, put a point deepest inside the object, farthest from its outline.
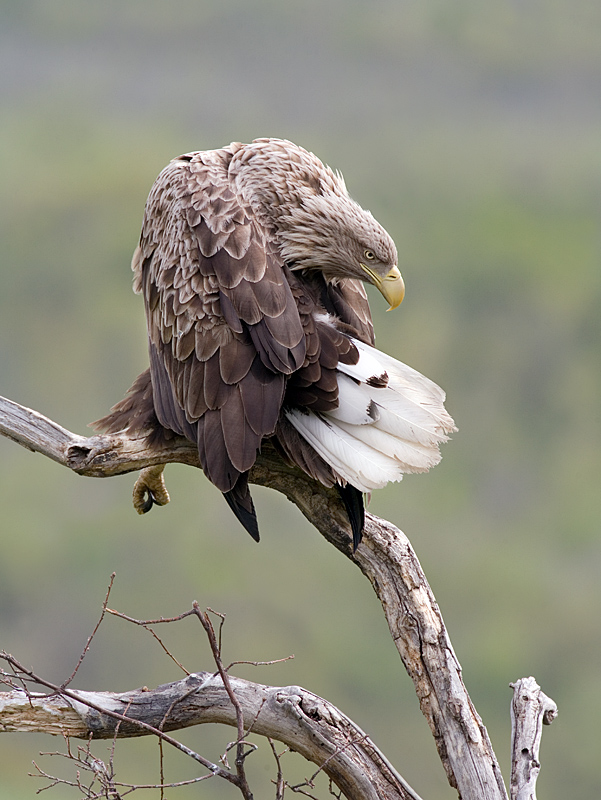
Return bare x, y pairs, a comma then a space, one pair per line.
251, 263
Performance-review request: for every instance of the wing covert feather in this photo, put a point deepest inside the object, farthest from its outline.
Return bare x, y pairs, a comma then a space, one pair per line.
223, 326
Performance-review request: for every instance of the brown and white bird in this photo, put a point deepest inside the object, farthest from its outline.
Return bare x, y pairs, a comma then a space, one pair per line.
251, 263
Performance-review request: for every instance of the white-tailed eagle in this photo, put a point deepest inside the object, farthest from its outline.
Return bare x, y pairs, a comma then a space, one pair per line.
251, 263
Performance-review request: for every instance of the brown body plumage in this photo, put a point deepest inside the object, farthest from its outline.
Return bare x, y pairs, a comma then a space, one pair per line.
250, 263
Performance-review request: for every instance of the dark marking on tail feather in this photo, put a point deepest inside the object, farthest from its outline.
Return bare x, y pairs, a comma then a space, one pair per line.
378, 381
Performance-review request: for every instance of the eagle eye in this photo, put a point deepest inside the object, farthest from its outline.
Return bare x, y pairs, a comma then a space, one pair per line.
369, 255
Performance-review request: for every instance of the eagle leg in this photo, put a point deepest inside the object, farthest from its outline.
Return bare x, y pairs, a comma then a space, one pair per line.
150, 489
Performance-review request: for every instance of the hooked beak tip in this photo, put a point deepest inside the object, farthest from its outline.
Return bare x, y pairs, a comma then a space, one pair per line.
391, 285
393, 288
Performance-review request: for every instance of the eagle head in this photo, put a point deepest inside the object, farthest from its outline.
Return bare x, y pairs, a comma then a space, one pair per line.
331, 233
318, 225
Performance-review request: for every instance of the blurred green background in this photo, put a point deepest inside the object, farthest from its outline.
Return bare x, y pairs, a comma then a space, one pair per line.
472, 131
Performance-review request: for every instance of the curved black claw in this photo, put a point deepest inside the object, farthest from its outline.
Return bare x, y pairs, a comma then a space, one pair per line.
146, 504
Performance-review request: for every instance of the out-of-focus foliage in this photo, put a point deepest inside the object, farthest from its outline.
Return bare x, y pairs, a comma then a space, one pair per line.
472, 132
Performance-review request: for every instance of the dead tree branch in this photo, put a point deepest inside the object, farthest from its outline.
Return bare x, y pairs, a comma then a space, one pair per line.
300, 719
530, 710
385, 556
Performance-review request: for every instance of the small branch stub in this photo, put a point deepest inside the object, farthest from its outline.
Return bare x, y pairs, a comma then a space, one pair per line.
530, 710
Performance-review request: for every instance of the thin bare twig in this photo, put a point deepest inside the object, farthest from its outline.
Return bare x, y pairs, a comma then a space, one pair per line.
221, 616
161, 767
259, 663
145, 622
146, 625
15, 682
91, 636
162, 786
310, 782
241, 754
90, 764
280, 783
299, 790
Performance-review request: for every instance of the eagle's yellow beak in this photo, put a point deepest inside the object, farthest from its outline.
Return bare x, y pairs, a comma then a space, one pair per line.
391, 285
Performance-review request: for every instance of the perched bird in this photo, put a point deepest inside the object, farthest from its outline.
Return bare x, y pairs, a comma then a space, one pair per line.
251, 263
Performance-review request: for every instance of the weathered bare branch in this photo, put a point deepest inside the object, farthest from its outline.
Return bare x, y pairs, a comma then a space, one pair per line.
385, 556
530, 710
298, 718
94, 456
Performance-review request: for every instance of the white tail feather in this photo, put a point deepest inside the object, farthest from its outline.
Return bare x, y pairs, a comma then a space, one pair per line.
354, 406
356, 462
390, 420
411, 456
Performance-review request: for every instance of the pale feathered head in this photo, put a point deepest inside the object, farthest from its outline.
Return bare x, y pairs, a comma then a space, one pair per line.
318, 225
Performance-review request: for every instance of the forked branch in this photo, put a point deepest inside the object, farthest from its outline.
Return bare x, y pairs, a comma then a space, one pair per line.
305, 722
385, 556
